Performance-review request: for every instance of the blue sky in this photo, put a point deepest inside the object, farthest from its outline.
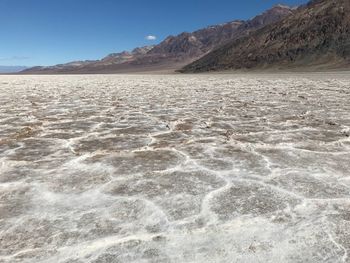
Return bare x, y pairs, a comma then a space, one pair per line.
46, 32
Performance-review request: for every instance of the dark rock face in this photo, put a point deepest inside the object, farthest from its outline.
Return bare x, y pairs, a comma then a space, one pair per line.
317, 36
175, 51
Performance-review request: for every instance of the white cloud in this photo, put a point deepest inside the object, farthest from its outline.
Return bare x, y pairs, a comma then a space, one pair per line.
151, 37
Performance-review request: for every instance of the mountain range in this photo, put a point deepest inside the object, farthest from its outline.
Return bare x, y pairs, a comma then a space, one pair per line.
313, 36
172, 53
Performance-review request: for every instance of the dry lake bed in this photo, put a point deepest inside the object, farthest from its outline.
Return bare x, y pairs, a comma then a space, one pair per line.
175, 168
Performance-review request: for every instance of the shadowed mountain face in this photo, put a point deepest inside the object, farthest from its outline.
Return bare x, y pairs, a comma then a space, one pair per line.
317, 36
174, 52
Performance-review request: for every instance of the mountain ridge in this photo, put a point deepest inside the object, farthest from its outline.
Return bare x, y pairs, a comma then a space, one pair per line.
173, 52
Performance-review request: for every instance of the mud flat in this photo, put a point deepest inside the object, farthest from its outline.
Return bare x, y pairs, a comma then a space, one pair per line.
204, 168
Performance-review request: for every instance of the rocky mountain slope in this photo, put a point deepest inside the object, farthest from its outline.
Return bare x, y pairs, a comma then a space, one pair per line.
317, 36
175, 51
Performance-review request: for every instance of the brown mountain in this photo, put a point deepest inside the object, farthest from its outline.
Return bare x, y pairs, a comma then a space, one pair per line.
189, 46
174, 52
317, 36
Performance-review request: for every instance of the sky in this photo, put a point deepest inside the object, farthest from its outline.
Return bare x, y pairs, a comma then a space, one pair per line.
48, 32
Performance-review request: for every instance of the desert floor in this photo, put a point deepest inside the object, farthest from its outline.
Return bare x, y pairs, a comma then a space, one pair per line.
175, 168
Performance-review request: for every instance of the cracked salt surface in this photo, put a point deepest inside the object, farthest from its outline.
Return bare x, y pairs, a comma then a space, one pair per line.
205, 168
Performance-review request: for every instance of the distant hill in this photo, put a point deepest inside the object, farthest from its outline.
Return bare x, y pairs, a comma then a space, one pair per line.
316, 36
91, 66
11, 69
172, 53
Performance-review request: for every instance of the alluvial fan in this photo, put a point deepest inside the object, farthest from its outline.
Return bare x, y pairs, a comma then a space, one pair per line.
209, 168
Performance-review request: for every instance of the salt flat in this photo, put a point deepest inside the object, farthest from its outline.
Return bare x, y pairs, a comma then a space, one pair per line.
177, 168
